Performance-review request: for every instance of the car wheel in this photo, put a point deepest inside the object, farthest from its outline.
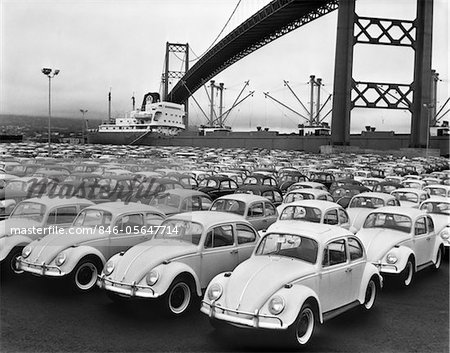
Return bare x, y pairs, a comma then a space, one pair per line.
303, 327
408, 273
438, 262
85, 275
178, 297
10, 261
371, 294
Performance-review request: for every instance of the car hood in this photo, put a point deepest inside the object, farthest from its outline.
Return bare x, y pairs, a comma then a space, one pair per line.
254, 281
20, 224
168, 210
357, 216
135, 263
45, 249
378, 241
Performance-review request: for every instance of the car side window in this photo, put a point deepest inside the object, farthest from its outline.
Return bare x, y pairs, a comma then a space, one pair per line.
270, 209
331, 217
391, 203
62, 215
334, 253
355, 249
277, 196
420, 227
206, 203
126, 224
423, 197
152, 219
343, 217
219, 236
256, 210
245, 234
225, 185
430, 225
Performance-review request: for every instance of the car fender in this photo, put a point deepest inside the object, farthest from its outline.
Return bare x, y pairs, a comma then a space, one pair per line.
10, 242
295, 297
75, 254
369, 271
168, 272
437, 244
402, 253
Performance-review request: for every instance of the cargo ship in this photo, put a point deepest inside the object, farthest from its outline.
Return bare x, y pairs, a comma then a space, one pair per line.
154, 120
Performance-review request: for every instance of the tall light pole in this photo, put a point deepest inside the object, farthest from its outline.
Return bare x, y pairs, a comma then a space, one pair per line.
50, 73
83, 111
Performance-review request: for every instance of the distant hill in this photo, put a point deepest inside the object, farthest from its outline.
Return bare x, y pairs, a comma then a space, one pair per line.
40, 123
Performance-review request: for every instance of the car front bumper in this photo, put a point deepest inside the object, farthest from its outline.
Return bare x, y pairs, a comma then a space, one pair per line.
39, 269
241, 318
126, 289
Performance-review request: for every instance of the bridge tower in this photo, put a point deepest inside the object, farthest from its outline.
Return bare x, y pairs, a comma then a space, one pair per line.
171, 74
348, 93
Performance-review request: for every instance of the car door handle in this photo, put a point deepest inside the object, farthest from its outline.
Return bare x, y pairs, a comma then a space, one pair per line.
429, 238
348, 270
234, 251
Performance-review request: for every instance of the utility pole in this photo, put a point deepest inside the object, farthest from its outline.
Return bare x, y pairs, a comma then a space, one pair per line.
211, 115
83, 126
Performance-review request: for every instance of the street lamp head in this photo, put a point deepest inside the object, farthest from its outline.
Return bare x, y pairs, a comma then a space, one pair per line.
56, 72
46, 71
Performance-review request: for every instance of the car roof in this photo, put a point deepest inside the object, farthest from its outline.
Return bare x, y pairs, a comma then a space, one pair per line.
407, 211
309, 191
59, 201
183, 192
318, 231
380, 195
244, 197
209, 218
322, 204
121, 207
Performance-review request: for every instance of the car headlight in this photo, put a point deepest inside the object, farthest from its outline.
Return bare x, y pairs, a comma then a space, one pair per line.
215, 291
152, 277
276, 305
391, 258
109, 268
60, 259
26, 252
445, 233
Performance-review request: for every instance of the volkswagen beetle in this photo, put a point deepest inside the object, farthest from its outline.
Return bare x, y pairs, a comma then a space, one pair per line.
296, 278
32, 219
401, 241
179, 261
439, 209
98, 232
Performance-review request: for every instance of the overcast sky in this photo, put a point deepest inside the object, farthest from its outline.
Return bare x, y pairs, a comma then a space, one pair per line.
120, 44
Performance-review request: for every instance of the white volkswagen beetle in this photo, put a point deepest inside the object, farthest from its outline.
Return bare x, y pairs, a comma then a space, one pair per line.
98, 232
179, 261
296, 278
32, 219
401, 241
439, 209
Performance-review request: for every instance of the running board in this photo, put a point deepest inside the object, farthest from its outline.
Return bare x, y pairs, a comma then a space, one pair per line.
333, 313
429, 263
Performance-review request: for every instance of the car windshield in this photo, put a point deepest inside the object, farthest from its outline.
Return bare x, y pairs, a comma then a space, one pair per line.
436, 207
406, 196
288, 245
92, 218
170, 200
232, 206
366, 202
297, 196
15, 186
388, 220
29, 210
436, 191
186, 231
301, 213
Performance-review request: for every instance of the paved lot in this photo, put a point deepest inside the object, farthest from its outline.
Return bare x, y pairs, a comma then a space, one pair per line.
40, 316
